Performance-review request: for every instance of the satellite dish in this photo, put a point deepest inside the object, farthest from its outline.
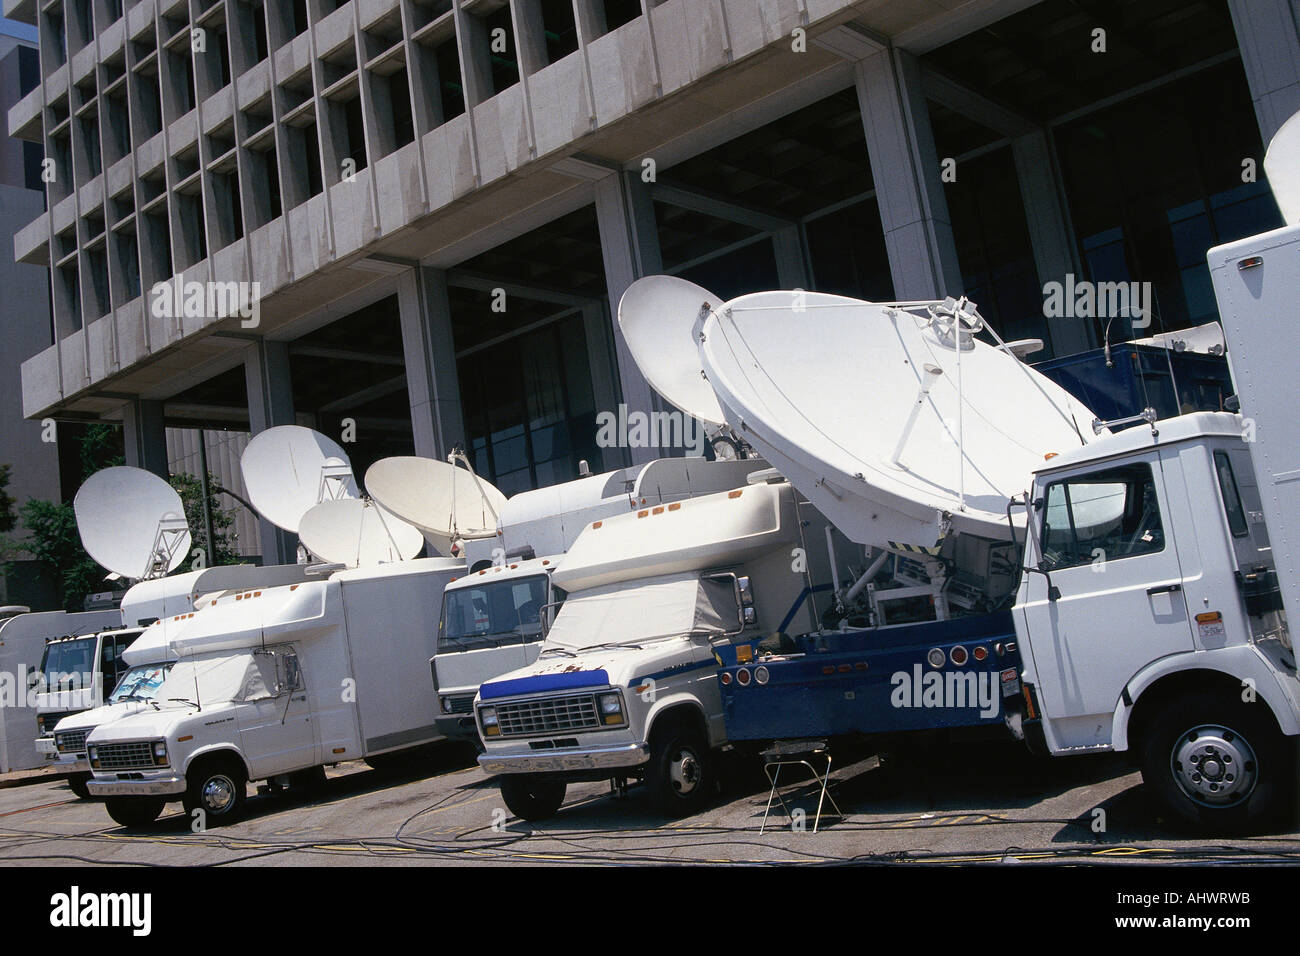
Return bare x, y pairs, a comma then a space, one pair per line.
358, 533
132, 522
661, 317
1282, 166
288, 469
893, 420
445, 502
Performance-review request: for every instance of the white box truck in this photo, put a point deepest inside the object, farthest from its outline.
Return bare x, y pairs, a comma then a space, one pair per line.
274, 684
625, 686
491, 623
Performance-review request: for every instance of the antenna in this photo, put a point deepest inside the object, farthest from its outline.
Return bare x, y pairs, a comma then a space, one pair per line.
358, 532
448, 504
132, 522
289, 469
893, 419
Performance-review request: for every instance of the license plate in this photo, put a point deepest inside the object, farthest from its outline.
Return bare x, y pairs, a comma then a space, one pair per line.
1211, 630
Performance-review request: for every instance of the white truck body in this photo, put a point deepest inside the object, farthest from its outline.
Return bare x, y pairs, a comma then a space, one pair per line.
544, 524
625, 685
23, 639
1168, 631
276, 681
102, 656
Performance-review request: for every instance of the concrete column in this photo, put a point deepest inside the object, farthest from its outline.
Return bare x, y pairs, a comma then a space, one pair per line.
1049, 233
905, 167
270, 403
1268, 34
791, 267
437, 420
629, 241
604, 381
144, 436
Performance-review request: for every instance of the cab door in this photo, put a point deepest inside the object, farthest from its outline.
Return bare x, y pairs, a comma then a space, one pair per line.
1105, 537
276, 727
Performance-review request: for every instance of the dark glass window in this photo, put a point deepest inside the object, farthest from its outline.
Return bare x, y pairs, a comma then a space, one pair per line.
848, 253
1103, 515
1231, 496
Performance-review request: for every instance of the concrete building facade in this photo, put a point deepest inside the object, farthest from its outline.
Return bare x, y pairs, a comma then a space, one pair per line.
441, 201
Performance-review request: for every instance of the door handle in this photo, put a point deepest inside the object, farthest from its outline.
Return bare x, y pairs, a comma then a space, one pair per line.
1165, 589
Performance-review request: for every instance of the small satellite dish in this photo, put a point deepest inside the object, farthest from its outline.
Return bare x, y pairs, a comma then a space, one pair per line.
1282, 166
445, 502
288, 469
661, 317
895, 421
358, 533
132, 522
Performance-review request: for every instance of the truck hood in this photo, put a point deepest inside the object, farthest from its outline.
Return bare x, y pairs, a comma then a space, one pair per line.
148, 723
598, 667
101, 715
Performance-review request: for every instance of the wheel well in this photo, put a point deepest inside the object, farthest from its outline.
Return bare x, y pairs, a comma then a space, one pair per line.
679, 715
1182, 684
219, 757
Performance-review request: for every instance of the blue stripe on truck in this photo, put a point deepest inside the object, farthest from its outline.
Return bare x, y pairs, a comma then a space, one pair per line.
542, 683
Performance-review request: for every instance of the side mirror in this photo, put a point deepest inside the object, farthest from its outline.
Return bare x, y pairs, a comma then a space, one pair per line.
1053, 592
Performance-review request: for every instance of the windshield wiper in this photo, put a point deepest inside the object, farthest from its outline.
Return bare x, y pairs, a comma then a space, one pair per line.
592, 647
183, 700
556, 648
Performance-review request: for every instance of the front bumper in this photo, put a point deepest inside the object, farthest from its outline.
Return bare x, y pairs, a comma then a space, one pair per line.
45, 746
623, 756
163, 785
73, 763
458, 727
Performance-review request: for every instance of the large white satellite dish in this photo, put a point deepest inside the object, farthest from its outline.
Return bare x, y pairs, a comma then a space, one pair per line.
358, 533
661, 317
892, 419
1282, 166
132, 522
445, 502
288, 469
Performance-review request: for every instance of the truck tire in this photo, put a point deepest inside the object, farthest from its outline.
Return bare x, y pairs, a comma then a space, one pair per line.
134, 811
682, 773
77, 784
531, 797
1217, 763
217, 787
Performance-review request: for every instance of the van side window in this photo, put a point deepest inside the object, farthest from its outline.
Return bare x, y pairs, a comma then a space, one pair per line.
1101, 516
1231, 496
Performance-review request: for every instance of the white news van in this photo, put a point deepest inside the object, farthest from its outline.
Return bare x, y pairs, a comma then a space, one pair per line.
79, 672
491, 621
275, 683
24, 638
624, 685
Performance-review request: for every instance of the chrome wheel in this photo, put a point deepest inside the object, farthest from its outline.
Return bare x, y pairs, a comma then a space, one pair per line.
1215, 766
684, 771
218, 793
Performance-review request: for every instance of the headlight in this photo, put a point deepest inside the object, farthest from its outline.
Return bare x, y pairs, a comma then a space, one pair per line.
160, 753
487, 718
611, 708
445, 702
92, 752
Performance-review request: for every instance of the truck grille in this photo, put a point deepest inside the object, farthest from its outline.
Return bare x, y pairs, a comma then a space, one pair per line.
46, 722
462, 705
69, 741
547, 715
132, 756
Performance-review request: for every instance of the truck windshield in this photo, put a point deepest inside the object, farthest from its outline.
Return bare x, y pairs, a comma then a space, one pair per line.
69, 665
140, 683
493, 613
645, 610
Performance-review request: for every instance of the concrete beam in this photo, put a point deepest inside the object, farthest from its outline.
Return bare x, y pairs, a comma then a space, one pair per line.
145, 436
270, 403
1268, 34
719, 207
946, 91
432, 383
629, 242
905, 167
